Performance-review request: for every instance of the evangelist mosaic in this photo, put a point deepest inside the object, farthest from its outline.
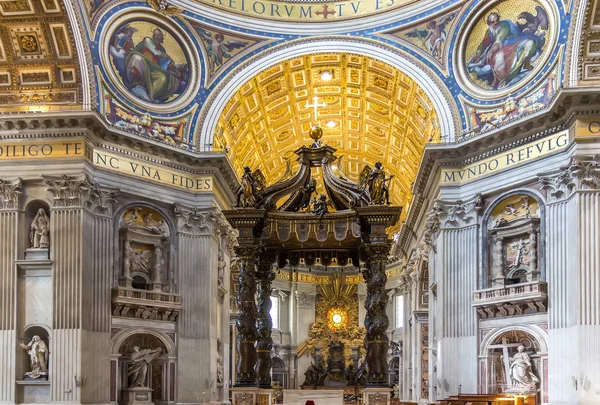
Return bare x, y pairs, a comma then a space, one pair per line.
149, 61
507, 44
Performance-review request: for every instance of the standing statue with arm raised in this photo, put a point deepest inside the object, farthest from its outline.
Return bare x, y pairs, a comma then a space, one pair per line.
138, 369
38, 357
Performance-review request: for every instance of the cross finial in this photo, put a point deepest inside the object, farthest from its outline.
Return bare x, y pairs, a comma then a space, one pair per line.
315, 105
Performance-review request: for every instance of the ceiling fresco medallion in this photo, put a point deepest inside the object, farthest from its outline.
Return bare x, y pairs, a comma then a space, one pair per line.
506, 43
149, 61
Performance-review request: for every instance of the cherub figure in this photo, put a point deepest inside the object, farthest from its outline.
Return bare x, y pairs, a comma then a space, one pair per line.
218, 47
320, 206
433, 35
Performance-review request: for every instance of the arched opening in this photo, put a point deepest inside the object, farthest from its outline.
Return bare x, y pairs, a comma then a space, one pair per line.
155, 371
514, 237
278, 372
514, 360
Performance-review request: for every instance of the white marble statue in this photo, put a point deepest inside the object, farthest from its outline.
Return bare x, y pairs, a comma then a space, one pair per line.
520, 370
38, 357
138, 369
39, 233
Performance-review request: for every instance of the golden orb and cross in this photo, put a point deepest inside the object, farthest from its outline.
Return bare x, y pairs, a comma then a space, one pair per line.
316, 133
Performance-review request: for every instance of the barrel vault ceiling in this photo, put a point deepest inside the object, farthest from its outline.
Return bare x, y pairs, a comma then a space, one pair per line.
373, 112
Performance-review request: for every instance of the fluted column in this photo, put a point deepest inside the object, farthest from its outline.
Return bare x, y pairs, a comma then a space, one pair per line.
9, 223
264, 342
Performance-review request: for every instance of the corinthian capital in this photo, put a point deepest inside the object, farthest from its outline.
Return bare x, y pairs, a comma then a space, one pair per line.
80, 191
581, 173
455, 214
202, 221
304, 300
10, 191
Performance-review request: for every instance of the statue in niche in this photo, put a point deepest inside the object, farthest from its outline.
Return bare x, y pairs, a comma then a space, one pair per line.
251, 189
38, 357
375, 181
519, 251
140, 361
521, 374
39, 233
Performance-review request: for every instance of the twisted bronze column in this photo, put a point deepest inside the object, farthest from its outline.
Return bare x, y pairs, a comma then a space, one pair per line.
264, 342
246, 320
376, 319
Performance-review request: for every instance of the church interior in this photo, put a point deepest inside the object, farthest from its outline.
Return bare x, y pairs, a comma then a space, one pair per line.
300, 202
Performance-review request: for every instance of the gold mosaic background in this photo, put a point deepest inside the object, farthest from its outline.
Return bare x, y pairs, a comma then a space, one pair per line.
380, 114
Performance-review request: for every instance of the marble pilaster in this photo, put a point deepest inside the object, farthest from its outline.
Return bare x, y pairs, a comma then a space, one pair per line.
457, 232
10, 191
198, 240
80, 235
573, 198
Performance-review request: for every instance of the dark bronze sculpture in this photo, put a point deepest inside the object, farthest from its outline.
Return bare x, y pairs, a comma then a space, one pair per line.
264, 342
375, 182
355, 232
320, 206
250, 192
246, 321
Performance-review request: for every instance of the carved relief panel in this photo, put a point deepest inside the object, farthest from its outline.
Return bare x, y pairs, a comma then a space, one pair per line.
513, 241
145, 245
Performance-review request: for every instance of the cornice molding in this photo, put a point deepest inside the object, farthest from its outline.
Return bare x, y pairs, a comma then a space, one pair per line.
91, 127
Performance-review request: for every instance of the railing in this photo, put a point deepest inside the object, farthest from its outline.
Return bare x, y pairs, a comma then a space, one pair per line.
153, 296
512, 291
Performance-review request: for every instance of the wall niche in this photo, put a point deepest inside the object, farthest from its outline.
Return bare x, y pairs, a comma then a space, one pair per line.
144, 237
513, 241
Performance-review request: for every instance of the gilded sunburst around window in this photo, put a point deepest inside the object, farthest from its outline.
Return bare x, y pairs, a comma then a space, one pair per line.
337, 319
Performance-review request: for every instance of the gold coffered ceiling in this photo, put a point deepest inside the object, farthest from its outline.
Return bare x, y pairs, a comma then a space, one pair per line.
380, 114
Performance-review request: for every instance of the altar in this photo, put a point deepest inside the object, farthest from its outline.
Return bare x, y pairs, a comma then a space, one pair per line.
319, 397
